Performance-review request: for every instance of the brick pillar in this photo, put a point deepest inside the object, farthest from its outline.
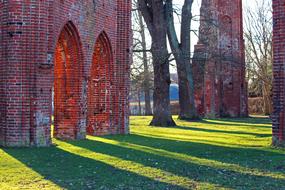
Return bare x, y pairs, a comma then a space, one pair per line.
219, 57
234, 93
278, 116
16, 127
3, 15
38, 15
123, 61
23, 50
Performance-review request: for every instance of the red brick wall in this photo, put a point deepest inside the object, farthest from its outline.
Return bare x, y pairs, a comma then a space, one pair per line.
219, 66
278, 116
2, 71
51, 43
123, 55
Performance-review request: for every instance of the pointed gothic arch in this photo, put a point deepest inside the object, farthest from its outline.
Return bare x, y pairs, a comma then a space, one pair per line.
68, 63
100, 100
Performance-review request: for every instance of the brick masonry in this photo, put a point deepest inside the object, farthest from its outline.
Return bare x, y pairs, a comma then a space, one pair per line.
219, 61
67, 58
278, 116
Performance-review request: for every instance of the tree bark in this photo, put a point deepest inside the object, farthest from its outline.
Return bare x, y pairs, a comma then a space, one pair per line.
154, 16
267, 100
139, 102
182, 55
161, 100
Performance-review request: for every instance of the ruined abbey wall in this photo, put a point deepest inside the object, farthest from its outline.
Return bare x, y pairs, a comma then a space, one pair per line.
219, 62
67, 58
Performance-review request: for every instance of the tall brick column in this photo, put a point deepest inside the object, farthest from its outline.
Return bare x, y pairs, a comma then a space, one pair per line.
279, 72
123, 60
21, 49
3, 14
219, 61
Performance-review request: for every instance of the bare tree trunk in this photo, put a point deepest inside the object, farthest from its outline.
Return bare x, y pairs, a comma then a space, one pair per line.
139, 102
154, 16
146, 83
161, 100
186, 91
267, 99
181, 52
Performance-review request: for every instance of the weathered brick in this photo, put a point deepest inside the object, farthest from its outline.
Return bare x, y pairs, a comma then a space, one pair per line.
52, 46
219, 61
278, 116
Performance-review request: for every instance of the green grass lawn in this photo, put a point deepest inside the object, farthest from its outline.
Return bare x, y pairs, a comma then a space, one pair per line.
211, 154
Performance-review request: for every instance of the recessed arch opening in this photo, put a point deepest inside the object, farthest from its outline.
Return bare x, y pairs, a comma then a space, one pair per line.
100, 99
68, 61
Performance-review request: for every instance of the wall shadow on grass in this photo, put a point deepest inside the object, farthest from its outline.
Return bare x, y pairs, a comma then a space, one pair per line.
75, 165
222, 177
71, 171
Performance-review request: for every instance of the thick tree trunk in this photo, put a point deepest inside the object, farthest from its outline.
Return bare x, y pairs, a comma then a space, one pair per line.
154, 14
146, 84
161, 101
181, 52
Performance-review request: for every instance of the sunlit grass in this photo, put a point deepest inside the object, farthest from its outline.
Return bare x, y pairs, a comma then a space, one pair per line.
16, 175
235, 133
134, 167
211, 154
192, 159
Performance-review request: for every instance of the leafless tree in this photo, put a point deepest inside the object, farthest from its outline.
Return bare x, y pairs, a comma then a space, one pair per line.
258, 38
181, 50
154, 15
141, 64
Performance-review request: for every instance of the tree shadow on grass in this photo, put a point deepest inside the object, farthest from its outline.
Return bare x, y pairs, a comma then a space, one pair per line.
221, 131
238, 122
249, 120
223, 177
258, 158
71, 171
